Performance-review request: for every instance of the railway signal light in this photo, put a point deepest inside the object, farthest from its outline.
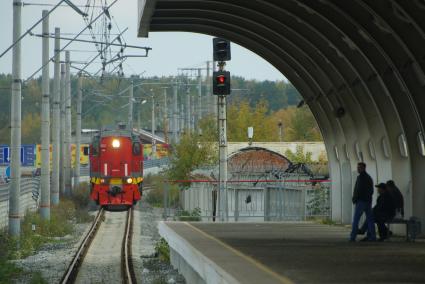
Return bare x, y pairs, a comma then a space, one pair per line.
221, 83
221, 49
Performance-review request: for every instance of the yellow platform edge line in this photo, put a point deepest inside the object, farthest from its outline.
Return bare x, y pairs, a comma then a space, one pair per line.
282, 279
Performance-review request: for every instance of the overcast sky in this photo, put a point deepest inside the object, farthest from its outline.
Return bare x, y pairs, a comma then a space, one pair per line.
169, 50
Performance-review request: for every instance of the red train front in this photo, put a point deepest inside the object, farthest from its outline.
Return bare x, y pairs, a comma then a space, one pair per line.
116, 168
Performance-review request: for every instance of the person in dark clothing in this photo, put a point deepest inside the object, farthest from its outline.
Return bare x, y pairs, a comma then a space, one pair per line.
362, 198
397, 197
384, 210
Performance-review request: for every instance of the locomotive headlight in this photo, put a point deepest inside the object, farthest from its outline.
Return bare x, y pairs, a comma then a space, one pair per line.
129, 180
116, 143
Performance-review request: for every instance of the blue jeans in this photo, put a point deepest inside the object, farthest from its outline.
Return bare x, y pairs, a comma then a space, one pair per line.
363, 207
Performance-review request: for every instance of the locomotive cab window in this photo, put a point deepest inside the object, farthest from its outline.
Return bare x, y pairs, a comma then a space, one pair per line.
137, 148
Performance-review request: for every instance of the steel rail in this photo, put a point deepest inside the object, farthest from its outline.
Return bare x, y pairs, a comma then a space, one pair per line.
72, 271
128, 274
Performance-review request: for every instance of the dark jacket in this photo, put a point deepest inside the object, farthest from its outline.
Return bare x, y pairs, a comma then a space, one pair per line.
385, 207
397, 198
363, 190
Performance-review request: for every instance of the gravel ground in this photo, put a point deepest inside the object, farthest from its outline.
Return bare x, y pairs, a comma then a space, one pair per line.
149, 269
53, 258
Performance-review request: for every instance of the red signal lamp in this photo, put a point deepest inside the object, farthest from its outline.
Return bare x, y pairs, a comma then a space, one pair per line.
221, 79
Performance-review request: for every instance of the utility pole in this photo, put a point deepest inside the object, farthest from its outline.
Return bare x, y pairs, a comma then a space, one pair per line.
78, 131
54, 197
166, 127
192, 113
62, 131
15, 142
68, 125
209, 97
188, 123
45, 123
153, 127
182, 126
130, 107
175, 114
199, 101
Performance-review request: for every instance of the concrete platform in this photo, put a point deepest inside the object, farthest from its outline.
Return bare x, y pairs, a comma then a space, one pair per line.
288, 253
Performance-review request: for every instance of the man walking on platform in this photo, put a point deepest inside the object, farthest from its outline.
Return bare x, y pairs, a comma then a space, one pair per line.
362, 199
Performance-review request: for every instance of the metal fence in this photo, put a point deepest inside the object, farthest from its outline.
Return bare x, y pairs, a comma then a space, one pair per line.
156, 163
28, 201
273, 200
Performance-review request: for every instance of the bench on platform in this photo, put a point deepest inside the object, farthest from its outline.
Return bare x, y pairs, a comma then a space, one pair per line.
413, 226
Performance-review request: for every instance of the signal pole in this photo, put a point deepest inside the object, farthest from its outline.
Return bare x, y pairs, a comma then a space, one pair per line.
15, 142
78, 131
45, 124
56, 123
221, 87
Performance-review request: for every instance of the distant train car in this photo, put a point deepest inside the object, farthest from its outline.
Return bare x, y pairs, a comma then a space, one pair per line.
116, 168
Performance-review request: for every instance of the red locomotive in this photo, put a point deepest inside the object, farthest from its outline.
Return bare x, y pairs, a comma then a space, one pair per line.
116, 168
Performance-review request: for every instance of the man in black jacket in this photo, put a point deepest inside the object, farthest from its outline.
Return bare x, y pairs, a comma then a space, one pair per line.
362, 198
384, 210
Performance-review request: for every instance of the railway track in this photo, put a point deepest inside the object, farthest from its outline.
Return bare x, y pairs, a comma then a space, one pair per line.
127, 271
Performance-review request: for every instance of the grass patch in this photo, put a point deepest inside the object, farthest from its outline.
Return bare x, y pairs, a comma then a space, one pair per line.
36, 232
162, 249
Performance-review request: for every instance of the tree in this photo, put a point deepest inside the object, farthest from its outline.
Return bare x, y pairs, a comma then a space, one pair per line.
299, 156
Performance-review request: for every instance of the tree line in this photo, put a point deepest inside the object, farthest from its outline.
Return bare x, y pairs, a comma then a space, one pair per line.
263, 105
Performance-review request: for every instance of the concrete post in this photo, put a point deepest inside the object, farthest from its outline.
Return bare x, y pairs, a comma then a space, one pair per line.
153, 127
222, 128
78, 132
175, 115
54, 197
182, 126
68, 125
166, 126
188, 111
199, 115
130, 106
209, 96
45, 123
193, 113
62, 131
15, 143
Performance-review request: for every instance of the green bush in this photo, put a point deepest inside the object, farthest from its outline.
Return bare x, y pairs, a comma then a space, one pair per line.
184, 215
162, 249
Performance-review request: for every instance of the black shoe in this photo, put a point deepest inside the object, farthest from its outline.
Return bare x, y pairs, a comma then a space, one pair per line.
360, 232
